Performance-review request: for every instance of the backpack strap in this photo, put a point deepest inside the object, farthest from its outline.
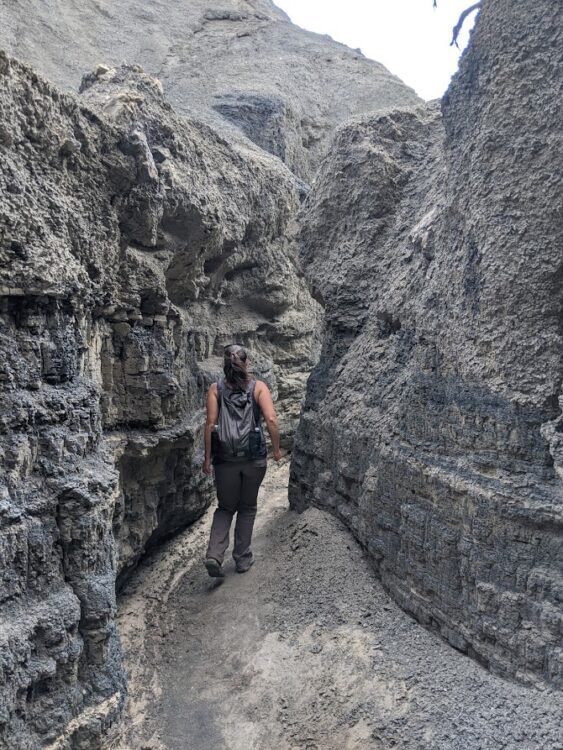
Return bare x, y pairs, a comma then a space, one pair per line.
255, 406
220, 383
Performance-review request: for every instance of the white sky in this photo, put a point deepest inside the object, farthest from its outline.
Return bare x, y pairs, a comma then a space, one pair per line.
410, 37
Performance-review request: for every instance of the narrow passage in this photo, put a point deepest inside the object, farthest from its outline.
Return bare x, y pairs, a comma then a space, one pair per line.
304, 652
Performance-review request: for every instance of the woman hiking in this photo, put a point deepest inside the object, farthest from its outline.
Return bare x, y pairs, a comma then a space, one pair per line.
234, 442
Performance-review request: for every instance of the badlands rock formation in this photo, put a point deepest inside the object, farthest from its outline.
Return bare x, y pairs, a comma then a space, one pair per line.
134, 245
435, 410
239, 65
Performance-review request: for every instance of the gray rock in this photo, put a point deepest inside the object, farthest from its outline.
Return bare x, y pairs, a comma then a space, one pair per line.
432, 423
136, 245
241, 66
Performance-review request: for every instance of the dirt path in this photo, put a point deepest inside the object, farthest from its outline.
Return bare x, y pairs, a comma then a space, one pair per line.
304, 652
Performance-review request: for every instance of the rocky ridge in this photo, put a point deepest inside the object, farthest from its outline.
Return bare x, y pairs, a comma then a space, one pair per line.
432, 424
240, 66
134, 244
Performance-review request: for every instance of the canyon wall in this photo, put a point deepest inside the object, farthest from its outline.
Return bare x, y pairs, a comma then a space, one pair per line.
134, 245
432, 424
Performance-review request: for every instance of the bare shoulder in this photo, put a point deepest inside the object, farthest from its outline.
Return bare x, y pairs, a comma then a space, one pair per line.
262, 393
213, 389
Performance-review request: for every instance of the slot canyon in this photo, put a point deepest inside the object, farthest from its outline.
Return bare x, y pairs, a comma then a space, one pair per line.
179, 176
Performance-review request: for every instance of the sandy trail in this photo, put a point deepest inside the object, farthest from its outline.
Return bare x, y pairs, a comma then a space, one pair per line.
304, 652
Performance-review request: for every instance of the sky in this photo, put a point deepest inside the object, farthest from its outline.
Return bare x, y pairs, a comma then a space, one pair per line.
410, 37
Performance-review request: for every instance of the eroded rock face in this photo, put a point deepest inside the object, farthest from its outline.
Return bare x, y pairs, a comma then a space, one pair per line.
134, 245
240, 66
432, 424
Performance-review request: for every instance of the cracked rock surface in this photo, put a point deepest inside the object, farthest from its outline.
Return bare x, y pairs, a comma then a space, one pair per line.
239, 65
134, 245
432, 424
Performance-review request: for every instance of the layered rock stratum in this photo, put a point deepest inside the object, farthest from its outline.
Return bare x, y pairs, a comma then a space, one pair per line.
434, 244
126, 235
239, 65
134, 244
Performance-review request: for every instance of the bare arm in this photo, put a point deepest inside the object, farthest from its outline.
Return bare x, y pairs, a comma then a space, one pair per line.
264, 399
212, 406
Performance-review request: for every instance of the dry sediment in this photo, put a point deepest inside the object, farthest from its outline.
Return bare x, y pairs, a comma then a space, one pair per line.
134, 244
239, 66
305, 651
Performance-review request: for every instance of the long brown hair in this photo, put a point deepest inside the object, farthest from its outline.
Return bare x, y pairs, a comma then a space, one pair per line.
235, 367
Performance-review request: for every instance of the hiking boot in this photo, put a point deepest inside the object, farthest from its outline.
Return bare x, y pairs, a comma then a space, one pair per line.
244, 567
214, 568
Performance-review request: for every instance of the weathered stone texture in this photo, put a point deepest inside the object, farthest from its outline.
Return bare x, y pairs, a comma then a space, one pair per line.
133, 246
432, 423
242, 67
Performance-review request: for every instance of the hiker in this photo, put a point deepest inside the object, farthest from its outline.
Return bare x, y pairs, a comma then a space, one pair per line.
235, 443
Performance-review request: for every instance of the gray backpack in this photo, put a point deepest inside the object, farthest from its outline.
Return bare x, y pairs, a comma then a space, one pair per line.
238, 435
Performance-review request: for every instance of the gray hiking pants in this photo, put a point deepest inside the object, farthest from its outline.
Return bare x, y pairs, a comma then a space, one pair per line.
237, 486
